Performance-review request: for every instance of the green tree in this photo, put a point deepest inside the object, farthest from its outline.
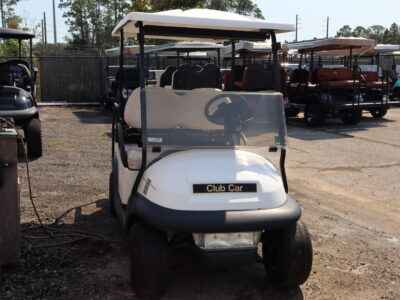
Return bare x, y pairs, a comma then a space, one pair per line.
376, 33
360, 31
345, 31
394, 34
243, 7
8, 17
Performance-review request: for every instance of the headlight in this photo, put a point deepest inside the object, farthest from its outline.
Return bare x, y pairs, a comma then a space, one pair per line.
236, 240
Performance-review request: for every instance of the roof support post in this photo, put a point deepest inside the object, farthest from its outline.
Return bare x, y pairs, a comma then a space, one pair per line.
31, 54
19, 49
121, 66
219, 58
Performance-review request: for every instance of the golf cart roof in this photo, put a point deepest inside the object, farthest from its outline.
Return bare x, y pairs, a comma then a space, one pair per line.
132, 49
11, 33
252, 49
185, 47
378, 49
198, 24
331, 44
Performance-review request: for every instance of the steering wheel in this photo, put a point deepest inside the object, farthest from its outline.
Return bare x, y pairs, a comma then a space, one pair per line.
232, 108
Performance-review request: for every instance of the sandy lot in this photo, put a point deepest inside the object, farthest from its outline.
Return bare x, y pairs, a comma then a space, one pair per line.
347, 180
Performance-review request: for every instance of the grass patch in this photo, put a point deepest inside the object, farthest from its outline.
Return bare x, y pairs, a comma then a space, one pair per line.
51, 144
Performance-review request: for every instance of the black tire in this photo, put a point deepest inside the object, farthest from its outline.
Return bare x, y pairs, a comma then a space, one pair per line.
354, 117
111, 196
148, 258
33, 137
288, 255
108, 105
379, 112
314, 115
292, 112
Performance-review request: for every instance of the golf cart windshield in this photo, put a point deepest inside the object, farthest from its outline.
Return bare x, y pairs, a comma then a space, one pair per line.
212, 118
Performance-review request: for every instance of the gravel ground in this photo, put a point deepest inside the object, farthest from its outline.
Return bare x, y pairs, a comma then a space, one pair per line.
345, 178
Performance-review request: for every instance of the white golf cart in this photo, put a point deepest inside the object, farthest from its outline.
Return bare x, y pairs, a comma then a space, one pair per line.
191, 165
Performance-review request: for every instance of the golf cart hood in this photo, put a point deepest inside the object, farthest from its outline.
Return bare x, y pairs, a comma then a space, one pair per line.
14, 98
212, 180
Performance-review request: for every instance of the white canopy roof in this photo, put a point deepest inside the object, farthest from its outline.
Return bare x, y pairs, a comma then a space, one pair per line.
197, 19
378, 49
185, 47
329, 44
258, 48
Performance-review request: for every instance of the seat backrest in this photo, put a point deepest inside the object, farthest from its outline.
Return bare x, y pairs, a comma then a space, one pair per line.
260, 79
300, 76
235, 74
188, 78
130, 78
342, 74
166, 76
323, 74
157, 103
370, 76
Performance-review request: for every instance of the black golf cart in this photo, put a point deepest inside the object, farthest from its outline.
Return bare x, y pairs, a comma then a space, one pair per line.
17, 92
330, 91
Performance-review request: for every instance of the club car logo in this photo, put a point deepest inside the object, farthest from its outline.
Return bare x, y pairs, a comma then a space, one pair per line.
224, 188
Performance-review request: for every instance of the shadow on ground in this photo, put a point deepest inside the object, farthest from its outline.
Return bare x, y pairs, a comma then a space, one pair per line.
335, 128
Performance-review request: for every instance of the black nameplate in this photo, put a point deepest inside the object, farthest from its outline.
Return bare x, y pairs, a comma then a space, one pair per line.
224, 188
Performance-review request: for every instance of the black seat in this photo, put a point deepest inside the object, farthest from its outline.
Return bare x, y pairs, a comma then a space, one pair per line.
130, 78
166, 76
234, 75
187, 78
300, 76
259, 78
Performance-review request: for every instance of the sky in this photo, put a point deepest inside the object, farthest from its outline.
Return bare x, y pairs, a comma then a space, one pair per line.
312, 15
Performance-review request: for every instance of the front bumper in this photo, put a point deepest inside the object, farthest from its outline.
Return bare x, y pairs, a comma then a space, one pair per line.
19, 114
216, 221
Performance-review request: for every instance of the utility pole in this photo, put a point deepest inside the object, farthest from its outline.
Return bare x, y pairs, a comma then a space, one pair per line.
297, 25
115, 11
327, 27
2, 14
44, 47
45, 31
54, 22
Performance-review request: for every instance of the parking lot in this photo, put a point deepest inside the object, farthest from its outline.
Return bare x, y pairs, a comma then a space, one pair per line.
345, 178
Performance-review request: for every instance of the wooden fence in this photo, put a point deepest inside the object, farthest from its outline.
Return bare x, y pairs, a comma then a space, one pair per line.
71, 79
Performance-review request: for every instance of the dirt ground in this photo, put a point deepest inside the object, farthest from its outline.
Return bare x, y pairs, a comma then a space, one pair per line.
345, 178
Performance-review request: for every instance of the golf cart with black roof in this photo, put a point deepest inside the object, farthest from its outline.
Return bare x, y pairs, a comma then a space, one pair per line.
329, 92
189, 163
17, 92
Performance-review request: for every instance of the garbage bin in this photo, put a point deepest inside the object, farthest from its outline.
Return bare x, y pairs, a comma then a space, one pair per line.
9, 198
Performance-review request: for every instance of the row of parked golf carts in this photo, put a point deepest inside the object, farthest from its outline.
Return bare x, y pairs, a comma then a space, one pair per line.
311, 85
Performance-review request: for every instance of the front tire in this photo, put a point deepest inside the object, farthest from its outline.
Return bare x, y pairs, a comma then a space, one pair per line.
287, 255
33, 136
314, 115
379, 112
353, 118
148, 259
